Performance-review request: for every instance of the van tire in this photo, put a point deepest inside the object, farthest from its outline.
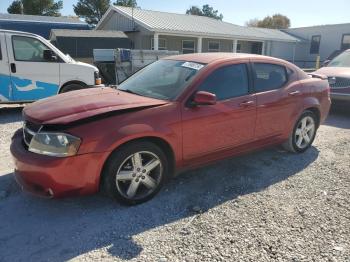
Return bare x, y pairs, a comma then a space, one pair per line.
71, 87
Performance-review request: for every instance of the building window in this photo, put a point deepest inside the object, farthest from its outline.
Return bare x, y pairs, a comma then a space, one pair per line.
315, 44
213, 46
345, 42
239, 48
188, 46
161, 44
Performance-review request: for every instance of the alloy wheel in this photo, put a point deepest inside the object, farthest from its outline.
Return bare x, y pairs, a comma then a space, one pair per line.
139, 175
305, 132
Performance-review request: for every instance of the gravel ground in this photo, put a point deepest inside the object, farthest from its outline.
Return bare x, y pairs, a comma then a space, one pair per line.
265, 206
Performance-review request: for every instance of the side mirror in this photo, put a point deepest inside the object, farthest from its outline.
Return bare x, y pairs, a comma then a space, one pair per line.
325, 63
204, 98
49, 55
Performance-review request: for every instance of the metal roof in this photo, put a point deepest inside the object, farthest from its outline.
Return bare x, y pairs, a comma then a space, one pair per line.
183, 24
319, 26
86, 33
40, 19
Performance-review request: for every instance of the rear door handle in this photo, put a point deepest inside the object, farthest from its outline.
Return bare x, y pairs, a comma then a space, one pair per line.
295, 93
246, 103
13, 67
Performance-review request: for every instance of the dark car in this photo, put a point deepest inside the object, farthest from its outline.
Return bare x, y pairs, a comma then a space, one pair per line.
178, 113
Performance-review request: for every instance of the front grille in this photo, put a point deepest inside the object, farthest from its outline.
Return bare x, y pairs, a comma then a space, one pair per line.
339, 82
29, 131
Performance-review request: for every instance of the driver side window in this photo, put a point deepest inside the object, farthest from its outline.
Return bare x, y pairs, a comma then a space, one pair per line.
227, 82
28, 49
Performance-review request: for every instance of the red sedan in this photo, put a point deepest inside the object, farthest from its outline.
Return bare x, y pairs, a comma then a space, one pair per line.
180, 112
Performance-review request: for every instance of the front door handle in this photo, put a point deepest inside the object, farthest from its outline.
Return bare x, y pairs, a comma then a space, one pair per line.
295, 93
246, 103
13, 67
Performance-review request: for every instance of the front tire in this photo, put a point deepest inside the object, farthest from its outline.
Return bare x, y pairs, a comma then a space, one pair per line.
135, 173
303, 134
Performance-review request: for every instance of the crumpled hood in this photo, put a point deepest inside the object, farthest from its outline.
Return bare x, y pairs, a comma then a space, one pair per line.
76, 105
334, 71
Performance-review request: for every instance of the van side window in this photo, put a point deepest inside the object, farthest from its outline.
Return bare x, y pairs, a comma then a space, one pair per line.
28, 49
0, 52
227, 82
269, 76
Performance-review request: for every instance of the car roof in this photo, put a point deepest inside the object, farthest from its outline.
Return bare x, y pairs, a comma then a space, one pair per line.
207, 58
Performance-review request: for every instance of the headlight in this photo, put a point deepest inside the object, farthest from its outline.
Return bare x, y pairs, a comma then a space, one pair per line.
332, 80
54, 144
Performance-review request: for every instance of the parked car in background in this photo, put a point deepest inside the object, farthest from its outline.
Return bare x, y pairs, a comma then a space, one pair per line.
338, 73
31, 68
331, 56
177, 113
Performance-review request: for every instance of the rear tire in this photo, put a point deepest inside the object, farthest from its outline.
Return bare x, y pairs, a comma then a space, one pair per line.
71, 87
135, 173
303, 133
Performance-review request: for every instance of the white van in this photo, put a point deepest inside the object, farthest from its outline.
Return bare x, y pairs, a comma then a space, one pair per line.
32, 68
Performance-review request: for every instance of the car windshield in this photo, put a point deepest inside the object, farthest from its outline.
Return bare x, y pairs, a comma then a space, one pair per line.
342, 60
164, 79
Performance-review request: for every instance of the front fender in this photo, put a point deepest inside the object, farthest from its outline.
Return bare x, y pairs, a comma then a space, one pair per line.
138, 131
115, 138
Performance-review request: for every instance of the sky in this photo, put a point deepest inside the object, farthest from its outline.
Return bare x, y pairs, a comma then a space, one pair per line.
300, 12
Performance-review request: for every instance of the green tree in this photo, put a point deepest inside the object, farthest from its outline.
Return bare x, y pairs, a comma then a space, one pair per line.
91, 10
276, 21
129, 3
16, 7
252, 22
194, 10
206, 10
36, 7
210, 12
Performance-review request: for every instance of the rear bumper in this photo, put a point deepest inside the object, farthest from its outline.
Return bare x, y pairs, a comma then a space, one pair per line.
55, 177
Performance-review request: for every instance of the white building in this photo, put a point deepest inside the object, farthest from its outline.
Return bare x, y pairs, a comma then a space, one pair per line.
320, 40
188, 33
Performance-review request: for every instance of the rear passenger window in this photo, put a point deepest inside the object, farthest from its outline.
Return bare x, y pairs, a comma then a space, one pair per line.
269, 76
227, 82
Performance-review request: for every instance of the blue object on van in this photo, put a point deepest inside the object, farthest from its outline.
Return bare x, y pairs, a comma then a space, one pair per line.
125, 55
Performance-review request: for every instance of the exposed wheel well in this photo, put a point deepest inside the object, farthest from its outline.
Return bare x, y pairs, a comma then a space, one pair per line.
75, 82
161, 143
317, 113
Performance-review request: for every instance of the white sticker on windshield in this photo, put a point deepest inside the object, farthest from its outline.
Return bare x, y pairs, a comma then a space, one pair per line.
192, 65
